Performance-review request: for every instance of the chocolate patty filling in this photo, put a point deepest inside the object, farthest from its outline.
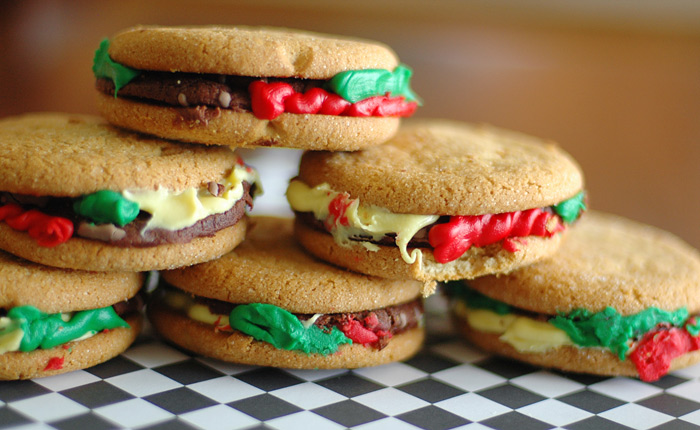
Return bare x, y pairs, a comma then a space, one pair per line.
190, 89
133, 234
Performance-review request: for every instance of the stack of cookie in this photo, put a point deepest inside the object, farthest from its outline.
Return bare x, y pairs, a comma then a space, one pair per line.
268, 302
92, 206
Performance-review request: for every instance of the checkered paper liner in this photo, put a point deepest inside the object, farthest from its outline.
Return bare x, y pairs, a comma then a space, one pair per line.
448, 385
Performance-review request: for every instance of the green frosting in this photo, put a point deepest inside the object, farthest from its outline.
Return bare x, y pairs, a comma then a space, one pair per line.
569, 210
107, 207
693, 327
283, 330
475, 299
104, 67
356, 85
46, 331
611, 330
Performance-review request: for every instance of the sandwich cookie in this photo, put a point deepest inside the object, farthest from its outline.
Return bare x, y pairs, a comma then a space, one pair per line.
269, 303
54, 320
78, 193
253, 86
619, 298
440, 201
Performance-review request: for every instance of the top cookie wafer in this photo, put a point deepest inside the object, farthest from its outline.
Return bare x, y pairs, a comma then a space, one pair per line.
247, 51
253, 86
440, 201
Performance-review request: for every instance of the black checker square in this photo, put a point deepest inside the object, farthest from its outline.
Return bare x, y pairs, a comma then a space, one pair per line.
430, 363
515, 420
97, 394
11, 391
265, 407
596, 423
511, 396
349, 413
188, 372
174, 424
591, 401
668, 381
180, 400
676, 425
11, 418
350, 385
431, 390
269, 378
433, 418
506, 367
114, 367
670, 404
84, 421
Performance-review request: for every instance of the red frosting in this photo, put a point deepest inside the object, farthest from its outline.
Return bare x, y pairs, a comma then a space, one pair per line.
336, 211
452, 239
364, 332
269, 100
49, 231
655, 351
55, 363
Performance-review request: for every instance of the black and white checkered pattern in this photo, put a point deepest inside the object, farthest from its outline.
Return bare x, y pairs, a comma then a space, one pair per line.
448, 385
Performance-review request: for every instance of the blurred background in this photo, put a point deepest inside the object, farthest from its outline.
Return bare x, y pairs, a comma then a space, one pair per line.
617, 84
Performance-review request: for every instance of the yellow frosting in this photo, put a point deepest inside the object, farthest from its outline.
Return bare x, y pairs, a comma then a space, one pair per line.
522, 333
10, 335
195, 311
363, 220
176, 210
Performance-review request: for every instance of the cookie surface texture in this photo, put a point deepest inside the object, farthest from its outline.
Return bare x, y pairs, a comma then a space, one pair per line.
247, 51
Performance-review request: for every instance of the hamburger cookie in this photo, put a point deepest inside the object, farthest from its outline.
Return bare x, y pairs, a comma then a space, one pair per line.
252, 86
78, 193
269, 303
619, 298
54, 320
440, 201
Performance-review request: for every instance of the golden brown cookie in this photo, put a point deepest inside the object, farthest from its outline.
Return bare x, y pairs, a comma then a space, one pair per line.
269, 303
440, 201
253, 86
79, 193
618, 298
55, 321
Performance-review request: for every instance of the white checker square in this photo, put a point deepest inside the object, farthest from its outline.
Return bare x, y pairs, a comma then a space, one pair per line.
554, 412
154, 354
636, 416
49, 407
389, 423
547, 384
224, 367
219, 417
473, 407
65, 381
688, 390
459, 352
693, 418
391, 374
143, 382
304, 420
475, 426
391, 401
626, 389
315, 375
225, 389
308, 395
133, 413
468, 377
33, 426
